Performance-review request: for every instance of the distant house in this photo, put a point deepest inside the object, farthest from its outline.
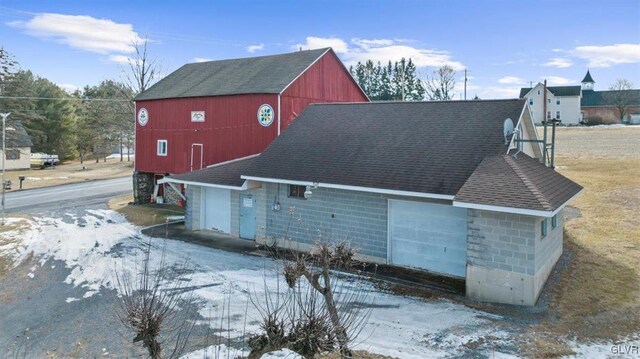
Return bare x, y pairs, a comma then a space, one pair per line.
563, 103
603, 106
450, 187
575, 105
18, 149
211, 112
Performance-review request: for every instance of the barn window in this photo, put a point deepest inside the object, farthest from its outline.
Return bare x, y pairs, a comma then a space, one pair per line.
554, 221
543, 228
297, 191
162, 147
12, 155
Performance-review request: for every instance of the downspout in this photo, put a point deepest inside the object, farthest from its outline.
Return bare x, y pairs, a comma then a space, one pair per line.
279, 114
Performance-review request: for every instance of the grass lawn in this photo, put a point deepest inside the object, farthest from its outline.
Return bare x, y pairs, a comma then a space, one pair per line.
144, 215
8, 241
598, 297
70, 172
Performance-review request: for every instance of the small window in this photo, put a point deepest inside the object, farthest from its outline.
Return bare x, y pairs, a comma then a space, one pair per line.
297, 191
557, 115
554, 221
538, 92
162, 147
531, 101
543, 228
12, 155
548, 115
548, 100
557, 101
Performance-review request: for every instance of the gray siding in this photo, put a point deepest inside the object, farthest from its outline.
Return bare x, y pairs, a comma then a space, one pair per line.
330, 214
549, 245
501, 241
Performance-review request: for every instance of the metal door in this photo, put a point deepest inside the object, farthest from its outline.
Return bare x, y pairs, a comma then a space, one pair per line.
247, 216
428, 236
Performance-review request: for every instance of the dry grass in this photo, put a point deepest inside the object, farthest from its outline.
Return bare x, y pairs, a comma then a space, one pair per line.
6, 261
144, 215
71, 172
598, 297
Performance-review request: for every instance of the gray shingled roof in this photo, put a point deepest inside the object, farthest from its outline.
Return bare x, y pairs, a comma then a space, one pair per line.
588, 78
264, 74
16, 135
517, 182
610, 98
555, 90
225, 174
428, 147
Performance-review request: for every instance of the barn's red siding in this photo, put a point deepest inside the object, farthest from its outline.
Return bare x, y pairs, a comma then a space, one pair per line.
325, 81
231, 130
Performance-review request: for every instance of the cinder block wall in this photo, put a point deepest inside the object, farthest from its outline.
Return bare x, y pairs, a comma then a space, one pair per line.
359, 217
507, 260
193, 208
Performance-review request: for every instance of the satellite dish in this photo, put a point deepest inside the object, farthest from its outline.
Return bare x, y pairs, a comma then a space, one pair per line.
507, 129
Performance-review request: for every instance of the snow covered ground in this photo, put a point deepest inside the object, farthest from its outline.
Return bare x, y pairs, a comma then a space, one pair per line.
93, 244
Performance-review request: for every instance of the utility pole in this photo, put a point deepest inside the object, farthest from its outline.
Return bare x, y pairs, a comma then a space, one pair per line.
4, 148
465, 84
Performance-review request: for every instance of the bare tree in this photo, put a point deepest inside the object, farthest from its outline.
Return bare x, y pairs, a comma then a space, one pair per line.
440, 85
319, 314
621, 97
155, 307
142, 71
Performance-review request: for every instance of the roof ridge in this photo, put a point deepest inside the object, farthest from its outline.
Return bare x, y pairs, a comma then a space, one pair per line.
321, 50
413, 102
530, 185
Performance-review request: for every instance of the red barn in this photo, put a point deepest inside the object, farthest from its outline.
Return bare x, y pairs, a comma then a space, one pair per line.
212, 112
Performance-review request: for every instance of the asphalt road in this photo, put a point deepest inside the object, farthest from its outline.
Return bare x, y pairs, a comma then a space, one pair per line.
66, 196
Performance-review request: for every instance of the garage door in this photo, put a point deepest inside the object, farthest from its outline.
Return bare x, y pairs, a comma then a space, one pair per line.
428, 236
217, 209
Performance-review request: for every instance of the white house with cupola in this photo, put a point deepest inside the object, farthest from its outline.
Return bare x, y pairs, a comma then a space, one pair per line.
562, 103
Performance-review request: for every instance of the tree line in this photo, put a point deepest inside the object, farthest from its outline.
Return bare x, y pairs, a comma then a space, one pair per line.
399, 81
89, 123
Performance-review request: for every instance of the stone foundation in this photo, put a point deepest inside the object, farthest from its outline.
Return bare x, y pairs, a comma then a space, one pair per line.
142, 187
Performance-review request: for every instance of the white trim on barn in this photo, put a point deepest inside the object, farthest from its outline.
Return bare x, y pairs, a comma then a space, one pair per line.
528, 212
352, 188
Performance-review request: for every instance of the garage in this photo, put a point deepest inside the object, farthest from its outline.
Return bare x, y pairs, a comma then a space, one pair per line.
217, 211
428, 236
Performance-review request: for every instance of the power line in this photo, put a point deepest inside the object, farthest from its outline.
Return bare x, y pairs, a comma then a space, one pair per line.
61, 98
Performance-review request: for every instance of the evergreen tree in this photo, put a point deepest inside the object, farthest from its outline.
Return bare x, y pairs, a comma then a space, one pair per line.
395, 81
56, 126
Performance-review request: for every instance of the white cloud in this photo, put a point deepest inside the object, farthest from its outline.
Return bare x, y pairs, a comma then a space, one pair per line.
338, 45
493, 92
81, 32
120, 59
69, 88
253, 48
558, 81
201, 59
382, 50
609, 55
511, 80
559, 62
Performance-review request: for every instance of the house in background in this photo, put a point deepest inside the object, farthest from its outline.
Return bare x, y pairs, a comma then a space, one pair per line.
574, 105
212, 112
603, 106
563, 103
455, 188
18, 148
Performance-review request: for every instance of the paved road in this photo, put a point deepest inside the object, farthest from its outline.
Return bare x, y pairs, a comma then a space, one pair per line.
66, 196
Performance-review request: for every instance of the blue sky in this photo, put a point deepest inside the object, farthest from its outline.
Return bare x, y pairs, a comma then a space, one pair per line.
503, 44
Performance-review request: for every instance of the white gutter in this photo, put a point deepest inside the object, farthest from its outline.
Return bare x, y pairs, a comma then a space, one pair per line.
233, 160
351, 188
279, 110
528, 212
173, 180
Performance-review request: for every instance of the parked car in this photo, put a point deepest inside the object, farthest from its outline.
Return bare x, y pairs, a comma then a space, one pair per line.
43, 160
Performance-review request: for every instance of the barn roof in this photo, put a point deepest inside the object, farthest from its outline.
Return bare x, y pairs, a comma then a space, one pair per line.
455, 149
610, 98
556, 90
264, 74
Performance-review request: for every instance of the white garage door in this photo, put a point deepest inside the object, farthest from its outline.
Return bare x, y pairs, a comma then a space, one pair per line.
428, 236
217, 209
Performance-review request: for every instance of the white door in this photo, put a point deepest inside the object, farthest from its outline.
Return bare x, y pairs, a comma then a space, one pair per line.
428, 236
217, 209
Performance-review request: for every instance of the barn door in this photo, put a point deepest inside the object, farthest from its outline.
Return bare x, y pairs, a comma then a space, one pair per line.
196, 156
